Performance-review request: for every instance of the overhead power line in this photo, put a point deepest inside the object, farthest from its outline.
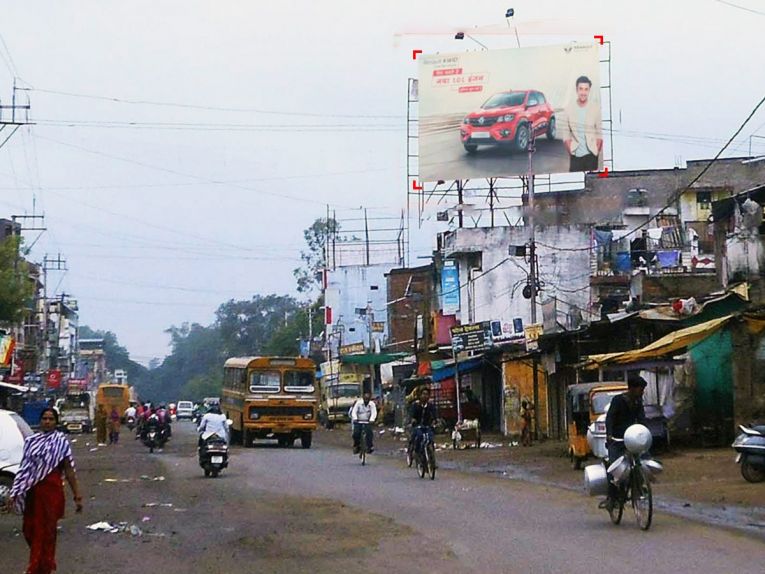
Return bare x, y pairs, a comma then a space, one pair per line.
180, 173
738, 6
143, 102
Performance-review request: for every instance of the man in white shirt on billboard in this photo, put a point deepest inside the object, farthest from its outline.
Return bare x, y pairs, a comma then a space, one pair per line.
582, 134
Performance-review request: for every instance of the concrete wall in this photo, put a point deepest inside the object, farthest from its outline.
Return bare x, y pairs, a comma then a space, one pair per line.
351, 288
495, 293
518, 386
748, 376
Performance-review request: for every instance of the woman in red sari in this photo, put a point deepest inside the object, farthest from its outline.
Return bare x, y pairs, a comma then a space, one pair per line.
38, 491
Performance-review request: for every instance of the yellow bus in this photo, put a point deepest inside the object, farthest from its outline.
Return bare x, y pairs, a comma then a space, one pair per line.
271, 397
113, 395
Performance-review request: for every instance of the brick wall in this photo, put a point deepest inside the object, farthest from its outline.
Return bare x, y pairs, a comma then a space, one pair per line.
661, 288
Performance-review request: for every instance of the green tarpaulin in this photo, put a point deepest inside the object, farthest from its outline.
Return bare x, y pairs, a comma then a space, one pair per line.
372, 359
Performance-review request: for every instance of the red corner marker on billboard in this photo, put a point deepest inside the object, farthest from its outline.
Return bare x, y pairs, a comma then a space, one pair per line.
599, 38
603, 173
415, 186
415, 52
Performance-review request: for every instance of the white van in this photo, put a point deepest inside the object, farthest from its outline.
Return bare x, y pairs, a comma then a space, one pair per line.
184, 410
13, 431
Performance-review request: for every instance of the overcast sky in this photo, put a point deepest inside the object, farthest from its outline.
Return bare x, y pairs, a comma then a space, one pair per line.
163, 212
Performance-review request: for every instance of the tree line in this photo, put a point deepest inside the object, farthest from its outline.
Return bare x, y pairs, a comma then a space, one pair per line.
262, 325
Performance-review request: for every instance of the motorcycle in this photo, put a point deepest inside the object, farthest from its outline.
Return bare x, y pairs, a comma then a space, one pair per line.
213, 454
154, 434
632, 473
130, 422
750, 446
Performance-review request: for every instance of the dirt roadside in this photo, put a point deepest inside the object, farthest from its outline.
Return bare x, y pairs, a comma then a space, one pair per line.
212, 525
705, 484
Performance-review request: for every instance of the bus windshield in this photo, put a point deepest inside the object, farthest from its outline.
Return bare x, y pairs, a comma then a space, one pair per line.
265, 382
114, 392
298, 381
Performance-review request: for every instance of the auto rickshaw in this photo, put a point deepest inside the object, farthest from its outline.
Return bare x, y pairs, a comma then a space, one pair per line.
584, 403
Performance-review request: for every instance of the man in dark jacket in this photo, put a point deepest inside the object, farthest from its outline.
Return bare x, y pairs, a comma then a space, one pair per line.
625, 410
423, 416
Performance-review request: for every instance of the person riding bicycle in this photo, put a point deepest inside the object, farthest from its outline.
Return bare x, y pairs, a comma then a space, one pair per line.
363, 415
423, 415
625, 410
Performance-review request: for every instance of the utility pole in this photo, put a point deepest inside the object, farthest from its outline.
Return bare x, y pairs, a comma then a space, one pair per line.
459, 201
49, 264
366, 235
21, 228
15, 122
533, 277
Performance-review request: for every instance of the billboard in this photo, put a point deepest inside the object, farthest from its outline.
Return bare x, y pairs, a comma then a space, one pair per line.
473, 337
479, 110
450, 287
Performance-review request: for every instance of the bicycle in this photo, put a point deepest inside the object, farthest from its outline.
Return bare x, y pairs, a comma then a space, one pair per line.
635, 488
425, 456
363, 443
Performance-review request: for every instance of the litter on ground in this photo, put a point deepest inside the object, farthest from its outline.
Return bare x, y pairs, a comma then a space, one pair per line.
105, 526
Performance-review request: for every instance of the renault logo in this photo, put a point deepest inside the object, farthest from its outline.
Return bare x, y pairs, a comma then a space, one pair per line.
480, 120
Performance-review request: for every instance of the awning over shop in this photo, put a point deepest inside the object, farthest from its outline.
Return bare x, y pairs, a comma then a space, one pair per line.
12, 387
446, 370
372, 358
664, 346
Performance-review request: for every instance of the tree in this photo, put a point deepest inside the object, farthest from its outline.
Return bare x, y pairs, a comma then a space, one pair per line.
16, 287
308, 275
245, 327
200, 387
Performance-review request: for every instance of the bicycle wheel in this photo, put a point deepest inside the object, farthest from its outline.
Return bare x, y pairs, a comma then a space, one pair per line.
363, 456
616, 511
642, 499
431, 462
409, 457
422, 463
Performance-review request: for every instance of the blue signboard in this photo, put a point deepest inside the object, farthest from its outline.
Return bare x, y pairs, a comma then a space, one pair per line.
450, 288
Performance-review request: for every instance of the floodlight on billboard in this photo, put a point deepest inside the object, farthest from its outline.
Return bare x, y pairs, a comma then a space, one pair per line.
479, 110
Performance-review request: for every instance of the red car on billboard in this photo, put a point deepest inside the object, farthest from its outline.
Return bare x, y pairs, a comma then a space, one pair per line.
507, 118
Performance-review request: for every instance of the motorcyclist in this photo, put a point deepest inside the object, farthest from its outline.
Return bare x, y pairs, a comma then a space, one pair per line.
423, 415
143, 418
130, 412
213, 422
624, 411
163, 414
363, 415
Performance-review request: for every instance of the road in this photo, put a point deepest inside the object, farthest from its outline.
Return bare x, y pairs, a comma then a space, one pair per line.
318, 510
443, 157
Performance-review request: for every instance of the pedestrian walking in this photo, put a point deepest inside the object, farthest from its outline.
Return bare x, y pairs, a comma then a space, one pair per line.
525, 423
101, 417
38, 491
114, 426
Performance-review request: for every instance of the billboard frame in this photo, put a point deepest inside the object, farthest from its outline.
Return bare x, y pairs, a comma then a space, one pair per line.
441, 191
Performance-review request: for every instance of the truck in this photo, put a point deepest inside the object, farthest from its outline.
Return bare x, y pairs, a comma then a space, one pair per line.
340, 389
76, 411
